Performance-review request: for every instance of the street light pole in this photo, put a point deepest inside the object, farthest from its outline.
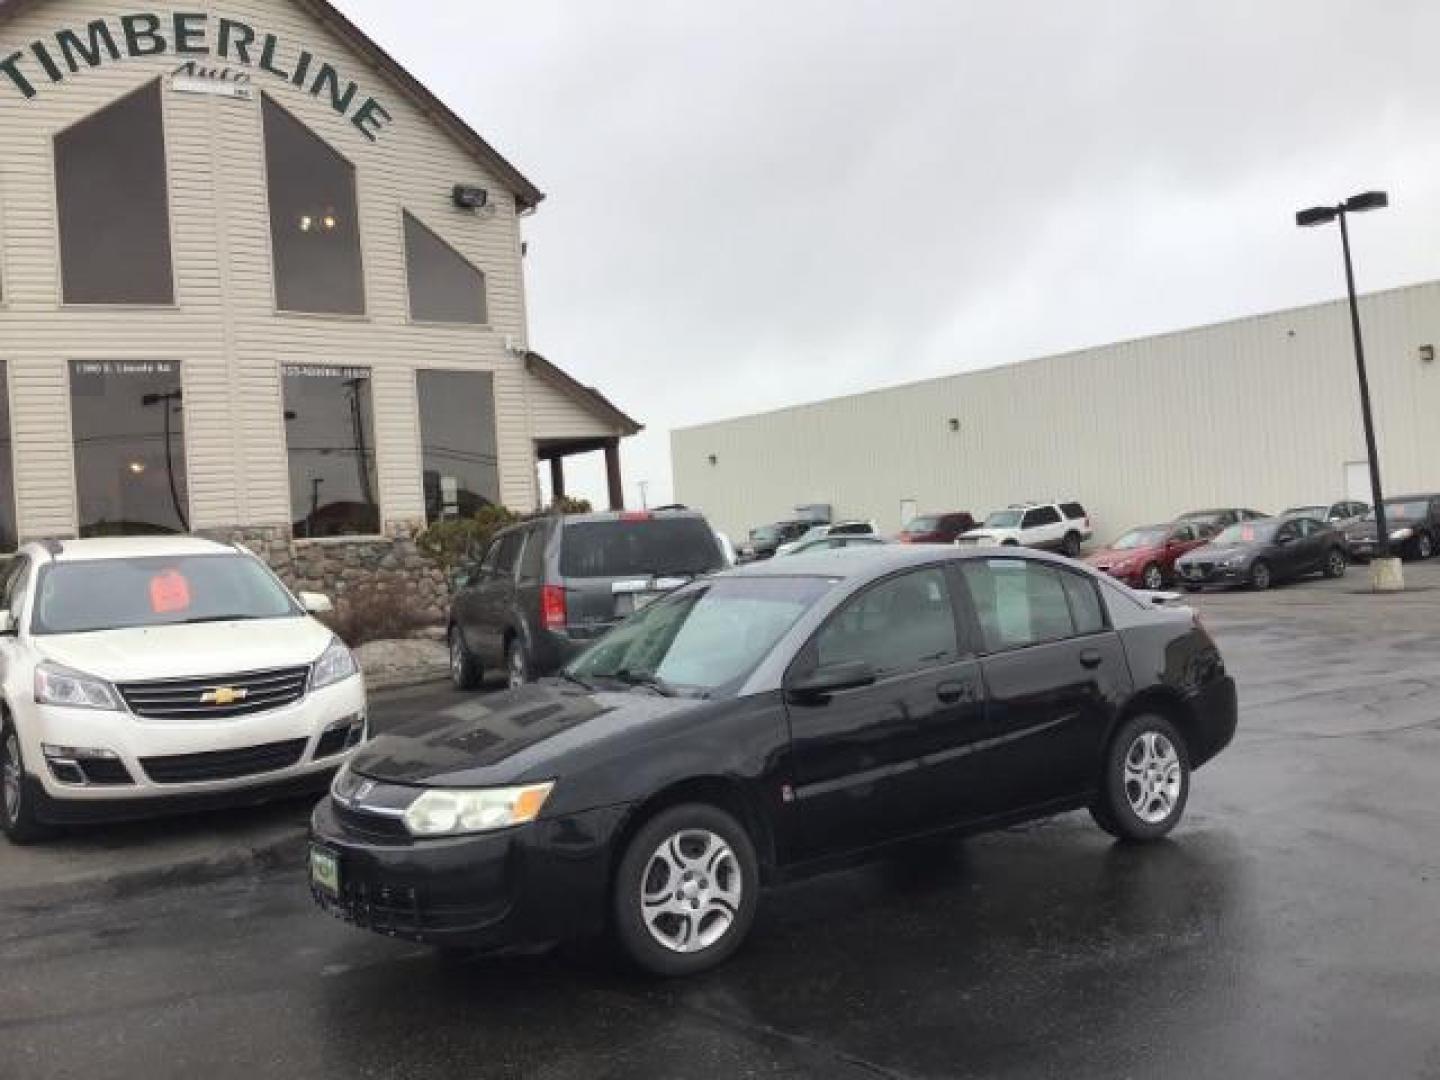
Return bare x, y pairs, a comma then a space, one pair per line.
1387, 575
1382, 530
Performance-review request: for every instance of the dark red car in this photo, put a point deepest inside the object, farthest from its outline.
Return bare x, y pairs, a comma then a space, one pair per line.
1144, 558
936, 528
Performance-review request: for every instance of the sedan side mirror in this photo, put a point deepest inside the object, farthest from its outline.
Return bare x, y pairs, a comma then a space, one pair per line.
832, 678
7, 624
315, 603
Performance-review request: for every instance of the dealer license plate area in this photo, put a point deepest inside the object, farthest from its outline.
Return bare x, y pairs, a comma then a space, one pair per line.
325, 870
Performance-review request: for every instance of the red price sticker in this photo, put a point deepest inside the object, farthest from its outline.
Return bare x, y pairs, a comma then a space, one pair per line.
169, 591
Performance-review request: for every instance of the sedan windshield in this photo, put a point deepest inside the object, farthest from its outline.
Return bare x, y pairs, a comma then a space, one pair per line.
1247, 532
1411, 510
1140, 538
116, 594
1321, 512
702, 637
1003, 519
922, 525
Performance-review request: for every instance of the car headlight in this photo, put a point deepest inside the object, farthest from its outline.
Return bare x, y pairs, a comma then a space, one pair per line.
57, 685
335, 664
1402, 534
444, 812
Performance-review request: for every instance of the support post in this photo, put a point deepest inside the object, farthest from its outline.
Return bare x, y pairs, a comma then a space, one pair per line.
612, 474
557, 478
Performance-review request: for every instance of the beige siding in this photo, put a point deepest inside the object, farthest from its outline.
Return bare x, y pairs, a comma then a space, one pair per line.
556, 415
224, 327
1260, 412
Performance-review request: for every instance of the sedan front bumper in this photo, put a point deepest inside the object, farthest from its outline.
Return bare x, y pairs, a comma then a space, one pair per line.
1199, 574
537, 883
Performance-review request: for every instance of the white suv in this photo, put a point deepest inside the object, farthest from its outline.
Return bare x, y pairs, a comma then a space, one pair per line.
152, 674
1059, 527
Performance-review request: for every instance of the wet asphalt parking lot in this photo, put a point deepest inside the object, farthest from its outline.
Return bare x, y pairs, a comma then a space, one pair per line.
1291, 927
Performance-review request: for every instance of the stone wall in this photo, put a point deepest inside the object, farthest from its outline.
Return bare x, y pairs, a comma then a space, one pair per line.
341, 567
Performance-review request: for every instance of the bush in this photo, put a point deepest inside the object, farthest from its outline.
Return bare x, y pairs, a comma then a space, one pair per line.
452, 543
376, 610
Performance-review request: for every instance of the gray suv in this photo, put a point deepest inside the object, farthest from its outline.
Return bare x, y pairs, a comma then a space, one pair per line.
546, 589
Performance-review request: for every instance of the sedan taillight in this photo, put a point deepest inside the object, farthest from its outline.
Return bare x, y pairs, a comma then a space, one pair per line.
552, 607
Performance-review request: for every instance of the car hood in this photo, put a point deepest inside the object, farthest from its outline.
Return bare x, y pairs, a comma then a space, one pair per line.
178, 652
1113, 556
1211, 552
512, 736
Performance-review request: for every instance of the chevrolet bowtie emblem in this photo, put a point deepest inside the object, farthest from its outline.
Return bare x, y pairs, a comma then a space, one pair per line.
223, 695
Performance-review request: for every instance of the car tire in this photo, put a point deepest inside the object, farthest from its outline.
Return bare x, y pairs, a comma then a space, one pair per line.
1192, 588
686, 891
17, 802
1260, 577
518, 669
1146, 783
1070, 546
1152, 577
1424, 546
1009, 543
465, 670
1335, 563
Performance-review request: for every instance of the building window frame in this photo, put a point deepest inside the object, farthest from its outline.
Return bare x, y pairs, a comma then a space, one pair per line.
170, 215
367, 293
382, 521
419, 442
70, 360
483, 324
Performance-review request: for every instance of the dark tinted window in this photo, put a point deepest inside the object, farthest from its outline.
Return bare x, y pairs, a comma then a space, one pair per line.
444, 287
852, 528
127, 418
1073, 510
1018, 602
620, 548
7, 474
901, 624
314, 223
457, 433
1041, 515
330, 436
532, 559
114, 209
1085, 610
508, 551
103, 594
1183, 534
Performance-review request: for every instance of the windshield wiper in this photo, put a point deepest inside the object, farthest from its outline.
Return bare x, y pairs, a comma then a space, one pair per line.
217, 618
571, 677
649, 681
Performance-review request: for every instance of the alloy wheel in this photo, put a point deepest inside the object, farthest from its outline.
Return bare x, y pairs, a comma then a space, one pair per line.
517, 674
10, 776
1152, 777
1337, 564
1424, 547
1260, 576
1154, 580
691, 891
457, 657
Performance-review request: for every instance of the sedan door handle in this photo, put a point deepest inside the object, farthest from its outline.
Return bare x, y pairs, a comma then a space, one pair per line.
1092, 658
951, 692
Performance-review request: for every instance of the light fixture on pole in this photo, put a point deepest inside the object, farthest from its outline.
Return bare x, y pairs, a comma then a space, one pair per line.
1387, 574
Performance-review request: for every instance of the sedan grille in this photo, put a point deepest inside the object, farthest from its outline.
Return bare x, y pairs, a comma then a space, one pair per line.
216, 697
223, 764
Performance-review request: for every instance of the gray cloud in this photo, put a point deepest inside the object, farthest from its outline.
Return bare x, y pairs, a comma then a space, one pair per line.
759, 203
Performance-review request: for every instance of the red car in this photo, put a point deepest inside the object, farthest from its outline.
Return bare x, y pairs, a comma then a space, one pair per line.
936, 528
1145, 557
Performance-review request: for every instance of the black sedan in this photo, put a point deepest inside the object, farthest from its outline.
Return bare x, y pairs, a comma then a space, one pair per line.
764, 723
1260, 553
1413, 522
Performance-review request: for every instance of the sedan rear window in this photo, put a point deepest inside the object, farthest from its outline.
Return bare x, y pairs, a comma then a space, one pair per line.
117, 594
646, 548
1246, 532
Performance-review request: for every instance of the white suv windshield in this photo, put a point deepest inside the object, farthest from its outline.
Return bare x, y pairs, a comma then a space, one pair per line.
114, 594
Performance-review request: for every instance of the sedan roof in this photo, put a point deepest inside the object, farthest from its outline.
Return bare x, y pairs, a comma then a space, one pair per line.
874, 560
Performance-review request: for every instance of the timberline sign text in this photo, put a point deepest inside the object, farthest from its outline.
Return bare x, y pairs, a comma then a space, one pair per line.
187, 34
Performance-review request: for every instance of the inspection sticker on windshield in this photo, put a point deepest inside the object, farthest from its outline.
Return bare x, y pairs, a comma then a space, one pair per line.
169, 592
325, 870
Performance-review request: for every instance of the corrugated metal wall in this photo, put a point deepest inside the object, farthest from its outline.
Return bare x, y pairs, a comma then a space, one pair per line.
224, 328
1259, 412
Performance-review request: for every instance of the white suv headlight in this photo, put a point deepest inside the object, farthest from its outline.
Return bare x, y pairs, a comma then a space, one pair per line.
336, 663
1402, 534
57, 685
441, 812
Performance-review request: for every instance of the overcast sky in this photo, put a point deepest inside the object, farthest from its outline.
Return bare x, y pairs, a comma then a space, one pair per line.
763, 202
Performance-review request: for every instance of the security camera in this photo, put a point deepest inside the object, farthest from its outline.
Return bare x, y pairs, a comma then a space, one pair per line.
470, 198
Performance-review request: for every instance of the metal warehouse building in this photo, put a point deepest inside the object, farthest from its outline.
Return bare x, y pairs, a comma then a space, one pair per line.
257, 281
1259, 412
